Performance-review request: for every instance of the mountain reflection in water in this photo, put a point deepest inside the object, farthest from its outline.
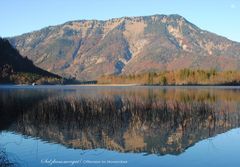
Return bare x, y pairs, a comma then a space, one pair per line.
144, 119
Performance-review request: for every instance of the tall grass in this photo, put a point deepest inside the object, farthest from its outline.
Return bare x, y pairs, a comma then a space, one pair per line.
4, 161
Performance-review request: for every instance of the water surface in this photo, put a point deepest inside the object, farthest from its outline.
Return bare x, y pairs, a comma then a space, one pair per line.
119, 126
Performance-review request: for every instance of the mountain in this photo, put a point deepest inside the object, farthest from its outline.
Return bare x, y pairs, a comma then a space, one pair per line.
88, 49
15, 68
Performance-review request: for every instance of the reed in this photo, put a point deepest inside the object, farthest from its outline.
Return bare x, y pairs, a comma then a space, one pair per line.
4, 161
167, 126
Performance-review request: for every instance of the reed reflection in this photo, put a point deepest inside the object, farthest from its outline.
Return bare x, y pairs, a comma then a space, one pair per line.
155, 121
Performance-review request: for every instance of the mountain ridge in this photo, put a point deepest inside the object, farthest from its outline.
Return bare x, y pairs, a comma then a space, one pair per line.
109, 19
88, 49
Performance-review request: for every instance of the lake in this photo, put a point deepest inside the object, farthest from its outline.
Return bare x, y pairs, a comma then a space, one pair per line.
119, 126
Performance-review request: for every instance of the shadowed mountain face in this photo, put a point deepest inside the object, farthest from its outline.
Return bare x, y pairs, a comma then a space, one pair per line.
165, 121
12, 64
129, 45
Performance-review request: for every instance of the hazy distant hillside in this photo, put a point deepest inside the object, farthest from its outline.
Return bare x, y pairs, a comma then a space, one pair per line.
129, 45
17, 69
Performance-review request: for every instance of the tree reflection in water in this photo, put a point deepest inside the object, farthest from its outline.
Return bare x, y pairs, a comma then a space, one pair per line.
155, 121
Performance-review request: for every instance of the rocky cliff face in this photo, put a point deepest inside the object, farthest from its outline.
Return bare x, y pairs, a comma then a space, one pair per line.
129, 45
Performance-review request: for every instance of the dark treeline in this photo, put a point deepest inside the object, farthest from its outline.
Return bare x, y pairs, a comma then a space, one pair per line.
179, 77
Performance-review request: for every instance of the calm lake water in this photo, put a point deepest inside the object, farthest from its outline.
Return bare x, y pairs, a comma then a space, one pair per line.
119, 126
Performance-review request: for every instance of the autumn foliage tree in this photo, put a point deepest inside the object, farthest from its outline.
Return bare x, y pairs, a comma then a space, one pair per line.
179, 77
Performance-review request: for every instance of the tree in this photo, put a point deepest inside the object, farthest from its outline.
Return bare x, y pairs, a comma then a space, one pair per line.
150, 78
163, 80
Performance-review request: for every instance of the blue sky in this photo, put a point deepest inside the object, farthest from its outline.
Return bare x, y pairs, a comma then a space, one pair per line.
21, 16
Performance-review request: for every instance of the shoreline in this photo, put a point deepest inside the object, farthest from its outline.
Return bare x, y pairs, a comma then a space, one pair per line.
126, 85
